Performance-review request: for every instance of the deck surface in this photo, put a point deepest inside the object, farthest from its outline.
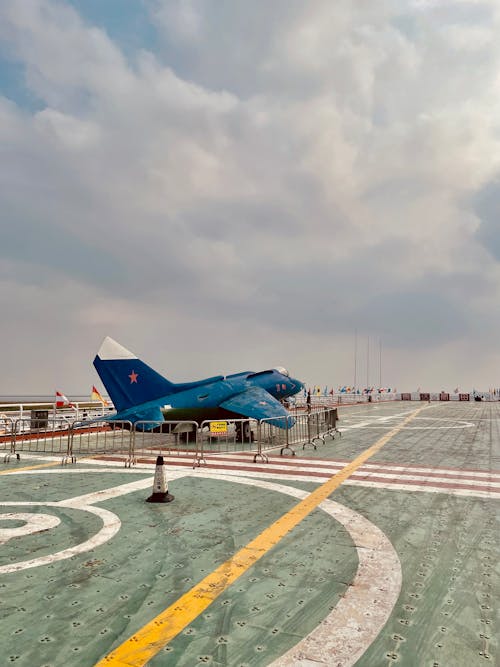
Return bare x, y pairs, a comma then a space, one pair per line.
400, 566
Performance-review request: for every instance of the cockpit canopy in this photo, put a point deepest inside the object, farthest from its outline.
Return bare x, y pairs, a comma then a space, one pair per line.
282, 370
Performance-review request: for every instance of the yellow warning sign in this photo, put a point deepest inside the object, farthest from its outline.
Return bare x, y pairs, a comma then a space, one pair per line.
218, 427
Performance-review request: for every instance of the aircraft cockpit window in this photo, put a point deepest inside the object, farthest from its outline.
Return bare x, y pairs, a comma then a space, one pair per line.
282, 370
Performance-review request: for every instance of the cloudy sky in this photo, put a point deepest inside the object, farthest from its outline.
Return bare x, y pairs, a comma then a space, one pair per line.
224, 185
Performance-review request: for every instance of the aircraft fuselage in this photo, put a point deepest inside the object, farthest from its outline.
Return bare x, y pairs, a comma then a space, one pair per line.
141, 394
202, 402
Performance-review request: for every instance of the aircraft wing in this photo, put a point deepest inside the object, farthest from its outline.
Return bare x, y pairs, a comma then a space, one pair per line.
257, 403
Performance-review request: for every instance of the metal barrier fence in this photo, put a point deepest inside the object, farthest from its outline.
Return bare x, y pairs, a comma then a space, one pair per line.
308, 430
59, 437
6, 429
102, 438
219, 437
155, 438
45, 436
342, 398
127, 441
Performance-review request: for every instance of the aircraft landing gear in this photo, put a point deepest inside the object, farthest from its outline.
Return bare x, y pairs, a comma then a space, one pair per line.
244, 432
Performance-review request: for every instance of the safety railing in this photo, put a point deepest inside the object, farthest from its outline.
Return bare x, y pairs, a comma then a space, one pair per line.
125, 441
60, 437
219, 436
308, 430
40, 436
301, 401
165, 438
7, 438
100, 438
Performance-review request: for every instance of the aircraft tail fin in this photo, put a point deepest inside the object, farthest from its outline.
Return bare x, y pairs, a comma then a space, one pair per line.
128, 380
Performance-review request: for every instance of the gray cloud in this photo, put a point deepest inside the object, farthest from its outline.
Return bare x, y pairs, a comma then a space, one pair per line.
486, 204
268, 180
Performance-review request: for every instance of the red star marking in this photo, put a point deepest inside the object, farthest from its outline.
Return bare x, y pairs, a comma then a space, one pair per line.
133, 377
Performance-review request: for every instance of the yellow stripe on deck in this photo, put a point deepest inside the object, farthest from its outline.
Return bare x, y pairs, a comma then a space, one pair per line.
44, 465
35, 467
149, 640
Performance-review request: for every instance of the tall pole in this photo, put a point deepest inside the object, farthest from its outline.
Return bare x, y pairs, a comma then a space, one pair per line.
355, 358
368, 362
380, 364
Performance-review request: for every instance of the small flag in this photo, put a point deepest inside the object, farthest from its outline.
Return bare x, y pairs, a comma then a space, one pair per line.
96, 396
62, 401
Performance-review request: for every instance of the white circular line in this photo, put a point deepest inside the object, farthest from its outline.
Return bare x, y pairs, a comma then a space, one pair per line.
421, 428
111, 525
457, 424
33, 523
345, 634
356, 620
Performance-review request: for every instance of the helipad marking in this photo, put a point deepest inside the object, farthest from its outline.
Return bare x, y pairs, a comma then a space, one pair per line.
379, 569
149, 640
456, 424
111, 525
33, 523
368, 601
374, 422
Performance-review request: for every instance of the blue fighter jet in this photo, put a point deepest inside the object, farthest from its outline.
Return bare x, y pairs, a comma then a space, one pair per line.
140, 394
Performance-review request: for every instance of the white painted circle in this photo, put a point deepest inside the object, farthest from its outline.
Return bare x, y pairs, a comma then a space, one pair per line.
384, 424
33, 523
111, 526
354, 623
362, 612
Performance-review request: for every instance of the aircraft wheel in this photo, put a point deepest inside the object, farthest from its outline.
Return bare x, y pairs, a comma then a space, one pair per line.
243, 432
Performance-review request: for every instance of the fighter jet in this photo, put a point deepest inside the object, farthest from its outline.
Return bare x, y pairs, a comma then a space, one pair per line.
140, 394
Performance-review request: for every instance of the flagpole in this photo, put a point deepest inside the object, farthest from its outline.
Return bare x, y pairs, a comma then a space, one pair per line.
355, 358
380, 364
367, 362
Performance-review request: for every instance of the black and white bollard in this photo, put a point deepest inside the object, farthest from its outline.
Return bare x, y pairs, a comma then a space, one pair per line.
160, 488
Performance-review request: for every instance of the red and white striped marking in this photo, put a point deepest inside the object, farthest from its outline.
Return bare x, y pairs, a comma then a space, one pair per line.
479, 483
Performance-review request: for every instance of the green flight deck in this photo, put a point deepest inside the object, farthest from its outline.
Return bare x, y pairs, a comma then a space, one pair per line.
393, 562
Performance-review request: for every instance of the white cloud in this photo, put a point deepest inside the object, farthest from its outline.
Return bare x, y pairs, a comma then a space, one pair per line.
69, 132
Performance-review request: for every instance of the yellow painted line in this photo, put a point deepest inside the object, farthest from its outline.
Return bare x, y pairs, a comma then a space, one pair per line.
41, 465
44, 465
149, 640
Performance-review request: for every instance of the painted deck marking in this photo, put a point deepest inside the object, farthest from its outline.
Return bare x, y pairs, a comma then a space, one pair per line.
33, 523
41, 465
111, 525
150, 639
